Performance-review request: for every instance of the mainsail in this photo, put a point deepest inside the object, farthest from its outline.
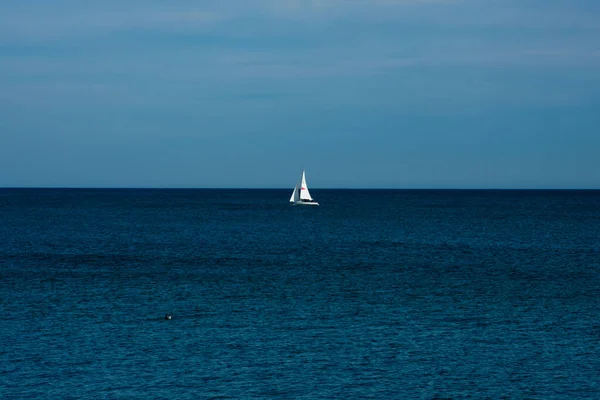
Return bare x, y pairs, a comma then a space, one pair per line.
304, 193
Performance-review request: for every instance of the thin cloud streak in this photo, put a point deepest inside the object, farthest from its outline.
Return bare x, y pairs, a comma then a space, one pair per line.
40, 24
75, 24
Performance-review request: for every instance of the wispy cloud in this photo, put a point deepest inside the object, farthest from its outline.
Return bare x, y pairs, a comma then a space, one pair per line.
19, 24
32, 21
98, 47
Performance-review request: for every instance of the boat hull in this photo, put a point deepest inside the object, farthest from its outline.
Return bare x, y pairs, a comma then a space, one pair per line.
304, 203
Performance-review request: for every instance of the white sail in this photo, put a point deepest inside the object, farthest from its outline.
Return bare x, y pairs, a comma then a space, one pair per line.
295, 196
304, 193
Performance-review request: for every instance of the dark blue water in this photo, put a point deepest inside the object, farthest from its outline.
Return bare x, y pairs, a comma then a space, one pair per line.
374, 294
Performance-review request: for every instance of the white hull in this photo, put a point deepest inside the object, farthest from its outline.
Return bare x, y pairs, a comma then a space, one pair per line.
304, 203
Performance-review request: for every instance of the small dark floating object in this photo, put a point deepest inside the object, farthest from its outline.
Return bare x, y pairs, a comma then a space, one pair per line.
167, 316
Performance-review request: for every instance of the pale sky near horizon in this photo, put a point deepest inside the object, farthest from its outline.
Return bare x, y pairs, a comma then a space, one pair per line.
361, 93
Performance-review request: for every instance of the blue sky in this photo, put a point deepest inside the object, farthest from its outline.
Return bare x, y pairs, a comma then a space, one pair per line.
377, 93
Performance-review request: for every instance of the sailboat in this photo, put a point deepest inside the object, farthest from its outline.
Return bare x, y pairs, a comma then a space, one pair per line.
301, 195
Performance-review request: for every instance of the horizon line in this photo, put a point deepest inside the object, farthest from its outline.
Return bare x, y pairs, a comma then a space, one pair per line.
282, 188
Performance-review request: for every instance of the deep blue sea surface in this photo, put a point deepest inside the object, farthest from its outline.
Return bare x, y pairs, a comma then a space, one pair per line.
374, 294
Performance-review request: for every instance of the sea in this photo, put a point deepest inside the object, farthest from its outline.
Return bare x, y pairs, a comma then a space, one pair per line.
375, 294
